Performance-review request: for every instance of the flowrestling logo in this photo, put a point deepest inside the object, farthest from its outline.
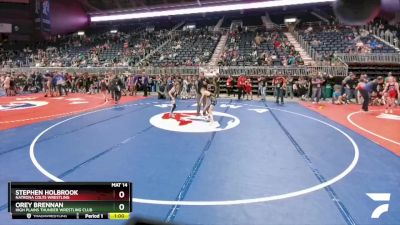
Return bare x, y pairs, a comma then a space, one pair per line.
188, 122
22, 105
380, 197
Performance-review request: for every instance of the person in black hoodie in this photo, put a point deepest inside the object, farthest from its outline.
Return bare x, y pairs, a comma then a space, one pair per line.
116, 87
145, 83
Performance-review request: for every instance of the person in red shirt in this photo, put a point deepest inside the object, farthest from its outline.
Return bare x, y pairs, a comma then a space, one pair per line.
241, 85
280, 87
249, 89
277, 44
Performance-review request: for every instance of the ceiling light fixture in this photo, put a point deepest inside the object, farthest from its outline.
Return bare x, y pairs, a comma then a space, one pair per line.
207, 9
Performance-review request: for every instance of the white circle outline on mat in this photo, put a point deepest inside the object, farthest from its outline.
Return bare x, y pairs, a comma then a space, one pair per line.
169, 125
217, 203
366, 130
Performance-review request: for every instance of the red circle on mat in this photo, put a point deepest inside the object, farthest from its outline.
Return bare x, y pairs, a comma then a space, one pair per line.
382, 124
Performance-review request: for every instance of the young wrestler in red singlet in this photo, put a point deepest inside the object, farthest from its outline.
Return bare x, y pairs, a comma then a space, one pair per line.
392, 93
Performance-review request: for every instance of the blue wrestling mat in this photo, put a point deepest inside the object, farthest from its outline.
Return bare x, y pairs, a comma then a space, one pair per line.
259, 163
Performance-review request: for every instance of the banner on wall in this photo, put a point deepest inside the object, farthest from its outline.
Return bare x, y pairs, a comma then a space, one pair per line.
209, 71
42, 15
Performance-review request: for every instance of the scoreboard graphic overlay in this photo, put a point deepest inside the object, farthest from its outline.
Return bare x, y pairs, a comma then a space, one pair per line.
70, 200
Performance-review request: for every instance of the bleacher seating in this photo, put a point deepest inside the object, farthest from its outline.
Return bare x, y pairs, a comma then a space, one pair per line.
257, 47
134, 45
190, 47
344, 40
123, 48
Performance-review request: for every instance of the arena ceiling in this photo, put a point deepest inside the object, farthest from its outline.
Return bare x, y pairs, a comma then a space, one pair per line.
113, 10
97, 6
